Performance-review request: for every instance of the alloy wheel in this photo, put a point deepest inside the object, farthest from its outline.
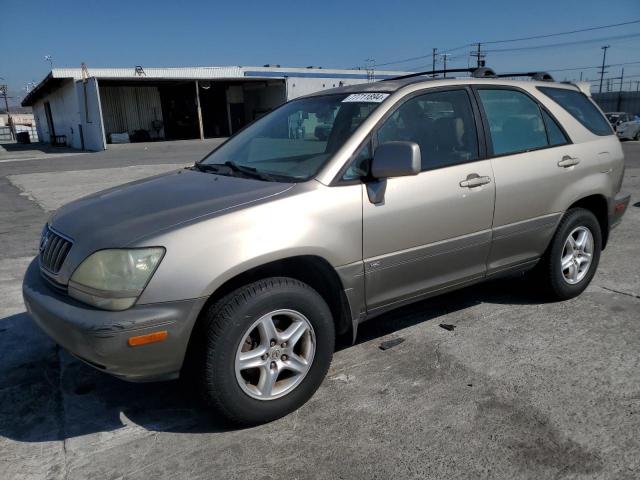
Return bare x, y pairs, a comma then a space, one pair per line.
275, 354
577, 255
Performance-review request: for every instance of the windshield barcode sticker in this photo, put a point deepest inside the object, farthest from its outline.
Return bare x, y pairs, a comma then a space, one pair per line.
374, 97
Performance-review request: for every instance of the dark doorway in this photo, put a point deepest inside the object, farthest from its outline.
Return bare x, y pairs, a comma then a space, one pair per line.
47, 114
213, 102
179, 111
236, 114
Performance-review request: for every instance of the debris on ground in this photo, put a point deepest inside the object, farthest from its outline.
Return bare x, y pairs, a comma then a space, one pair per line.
386, 345
446, 326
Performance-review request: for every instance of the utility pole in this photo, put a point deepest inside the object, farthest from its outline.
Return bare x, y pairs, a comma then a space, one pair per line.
370, 65
620, 91
433, 63
444, 60
479, 56
3, 92
604, 56
580, 76
49, 59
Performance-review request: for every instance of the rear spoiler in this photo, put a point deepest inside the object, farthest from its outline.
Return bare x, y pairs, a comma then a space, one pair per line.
584, 87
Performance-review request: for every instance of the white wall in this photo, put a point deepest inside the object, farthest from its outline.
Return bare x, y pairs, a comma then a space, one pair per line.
64, 111
91, 117
299, 86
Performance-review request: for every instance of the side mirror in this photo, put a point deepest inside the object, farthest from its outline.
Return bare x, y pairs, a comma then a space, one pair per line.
392, 159
396, 159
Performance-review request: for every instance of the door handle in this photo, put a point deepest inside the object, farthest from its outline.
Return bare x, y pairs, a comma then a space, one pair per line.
568, 161
474, 180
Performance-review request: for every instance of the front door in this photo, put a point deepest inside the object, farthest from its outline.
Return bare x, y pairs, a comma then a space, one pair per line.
433, 230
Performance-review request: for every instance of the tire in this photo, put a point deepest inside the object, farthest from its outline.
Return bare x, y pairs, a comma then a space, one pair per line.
236, 326
637, 137
563, 284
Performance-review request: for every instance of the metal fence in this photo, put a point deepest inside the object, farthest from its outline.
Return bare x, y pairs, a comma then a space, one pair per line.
618, 101
5, 133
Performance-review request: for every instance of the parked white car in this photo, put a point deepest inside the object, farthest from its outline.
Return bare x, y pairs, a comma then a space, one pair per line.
627, 125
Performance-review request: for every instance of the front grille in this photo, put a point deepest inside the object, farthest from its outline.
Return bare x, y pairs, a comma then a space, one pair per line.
53, 250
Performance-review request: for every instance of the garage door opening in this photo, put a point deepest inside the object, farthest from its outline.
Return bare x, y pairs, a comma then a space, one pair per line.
136, 111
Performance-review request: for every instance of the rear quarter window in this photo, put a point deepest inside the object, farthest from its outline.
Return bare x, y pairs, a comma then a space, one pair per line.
581, 108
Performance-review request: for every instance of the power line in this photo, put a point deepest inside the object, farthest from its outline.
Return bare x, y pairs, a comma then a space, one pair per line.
562, 44
590, 29
534, 37
588, 68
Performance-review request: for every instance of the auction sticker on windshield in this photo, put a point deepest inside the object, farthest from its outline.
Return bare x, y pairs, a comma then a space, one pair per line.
374, 97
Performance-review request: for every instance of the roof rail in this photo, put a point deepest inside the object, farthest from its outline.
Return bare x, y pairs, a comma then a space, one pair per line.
540, 76
430, 72
481, 72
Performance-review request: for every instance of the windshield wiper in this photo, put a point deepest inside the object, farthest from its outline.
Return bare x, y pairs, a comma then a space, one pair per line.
232, 168
249, 171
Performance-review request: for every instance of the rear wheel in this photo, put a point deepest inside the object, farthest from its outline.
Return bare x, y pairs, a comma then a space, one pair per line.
267, 348
572, 258
637, 137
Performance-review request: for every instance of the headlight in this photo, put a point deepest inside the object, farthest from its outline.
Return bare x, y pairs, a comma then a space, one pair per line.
114, 279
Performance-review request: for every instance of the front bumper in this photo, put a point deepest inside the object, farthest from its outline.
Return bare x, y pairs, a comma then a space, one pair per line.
99, 337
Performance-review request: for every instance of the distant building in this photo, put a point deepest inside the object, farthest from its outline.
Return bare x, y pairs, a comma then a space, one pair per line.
91, 107
19, 115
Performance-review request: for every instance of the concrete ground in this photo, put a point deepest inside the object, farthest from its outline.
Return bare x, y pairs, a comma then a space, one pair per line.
520, 389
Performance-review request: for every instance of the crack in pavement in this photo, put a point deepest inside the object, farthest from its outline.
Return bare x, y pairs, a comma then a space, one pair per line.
628, 294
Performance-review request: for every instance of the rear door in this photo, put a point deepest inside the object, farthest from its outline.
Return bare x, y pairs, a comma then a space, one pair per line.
433, 229
533, 160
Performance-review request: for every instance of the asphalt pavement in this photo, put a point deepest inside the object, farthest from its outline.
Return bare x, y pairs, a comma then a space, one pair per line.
520, 388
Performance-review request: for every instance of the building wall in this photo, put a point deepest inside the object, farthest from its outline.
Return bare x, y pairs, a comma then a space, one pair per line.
64, 111
18, 119
299, 86
91, 116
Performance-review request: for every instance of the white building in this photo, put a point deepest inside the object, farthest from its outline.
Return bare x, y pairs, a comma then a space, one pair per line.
86, 107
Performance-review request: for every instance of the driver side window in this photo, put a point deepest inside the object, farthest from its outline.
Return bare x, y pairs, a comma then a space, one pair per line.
441, 123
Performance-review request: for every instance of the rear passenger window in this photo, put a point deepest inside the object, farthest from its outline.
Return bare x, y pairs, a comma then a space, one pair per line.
515, 121
554, 132
441, 123
580, 107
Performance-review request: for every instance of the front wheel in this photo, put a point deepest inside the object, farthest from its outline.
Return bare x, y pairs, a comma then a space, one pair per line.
267, 348
572, 258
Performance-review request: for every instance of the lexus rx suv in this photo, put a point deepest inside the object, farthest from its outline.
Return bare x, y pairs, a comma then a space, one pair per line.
243, 269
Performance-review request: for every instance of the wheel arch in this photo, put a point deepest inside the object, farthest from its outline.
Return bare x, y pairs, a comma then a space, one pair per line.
598, 205
313, 270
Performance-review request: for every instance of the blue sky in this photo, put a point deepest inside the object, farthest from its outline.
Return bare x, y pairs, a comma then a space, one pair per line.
329, 33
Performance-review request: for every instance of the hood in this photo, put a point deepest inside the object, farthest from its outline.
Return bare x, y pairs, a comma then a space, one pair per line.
121, 215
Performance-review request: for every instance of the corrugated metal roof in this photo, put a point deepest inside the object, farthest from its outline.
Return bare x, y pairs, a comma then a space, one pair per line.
58, 75
151, 72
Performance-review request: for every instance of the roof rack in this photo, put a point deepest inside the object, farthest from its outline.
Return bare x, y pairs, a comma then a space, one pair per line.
481, 72
475, 72
541, 76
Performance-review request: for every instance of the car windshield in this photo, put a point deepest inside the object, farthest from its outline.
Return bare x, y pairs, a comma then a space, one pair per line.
294, 141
